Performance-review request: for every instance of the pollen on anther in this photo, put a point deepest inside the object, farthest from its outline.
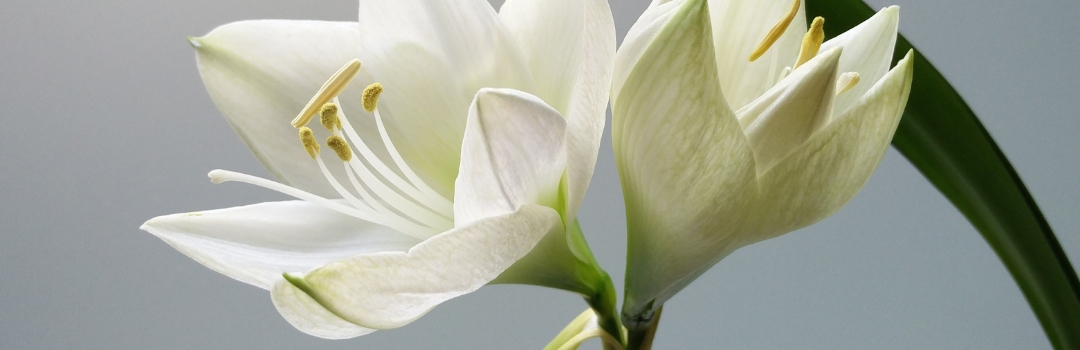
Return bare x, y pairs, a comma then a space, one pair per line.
340, 147
307, 137
332, 88
776, 31
811, 42
328, 116
846, 82
371, 96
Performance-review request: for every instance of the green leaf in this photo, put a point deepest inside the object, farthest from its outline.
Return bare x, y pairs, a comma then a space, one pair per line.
944, 139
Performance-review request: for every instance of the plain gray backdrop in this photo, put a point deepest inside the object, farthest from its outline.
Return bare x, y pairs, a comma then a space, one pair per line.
107, 124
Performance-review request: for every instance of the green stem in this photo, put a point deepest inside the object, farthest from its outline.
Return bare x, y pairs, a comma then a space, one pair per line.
603, 303
642, 339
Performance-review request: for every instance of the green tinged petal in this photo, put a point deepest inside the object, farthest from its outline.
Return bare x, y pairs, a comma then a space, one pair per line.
700, 181
391, 289
829, 169
789, 113
682, 158
308, 316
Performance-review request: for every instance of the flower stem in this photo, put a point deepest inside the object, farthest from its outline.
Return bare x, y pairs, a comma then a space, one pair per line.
603, 303
642, 339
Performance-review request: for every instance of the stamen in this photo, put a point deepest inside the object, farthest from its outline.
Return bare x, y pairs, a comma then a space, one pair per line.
811, 42
784, 73
415, 211
338, 144
440, 203
409, 201
371, 96
775, 32
370, 203
425, 216
219, 176
364, 192
356, 203
307, 137
418, 190
328, 116
329, 90
846, 82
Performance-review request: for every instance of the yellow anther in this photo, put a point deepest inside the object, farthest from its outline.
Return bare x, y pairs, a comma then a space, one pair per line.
371, 96
329, 90
340, 147
811, 42
329, 118
307, 137
775, 33
846, 82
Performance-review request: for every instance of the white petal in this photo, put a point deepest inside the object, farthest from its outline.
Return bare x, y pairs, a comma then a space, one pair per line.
513, 153
570, 47
260, 74
637, 40
551, 37
256, 243
824, 174
308, 316
683, 159
790, 112
432, 56
868, 50
738, 28
389, 290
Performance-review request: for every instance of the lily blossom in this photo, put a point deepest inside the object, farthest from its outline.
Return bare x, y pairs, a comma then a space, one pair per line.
473, 144
733, 123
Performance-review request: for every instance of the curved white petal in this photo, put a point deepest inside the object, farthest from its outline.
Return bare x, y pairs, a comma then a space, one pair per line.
260, 74
432, 56
308, 316
513, 153
551, 37
570, 48
824, 174
738, 27
256, 243
389, 290
868, 50
682, 156
638, 40
789, 113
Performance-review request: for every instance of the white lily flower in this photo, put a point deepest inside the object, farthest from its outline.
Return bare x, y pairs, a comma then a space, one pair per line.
720, 143
475, 147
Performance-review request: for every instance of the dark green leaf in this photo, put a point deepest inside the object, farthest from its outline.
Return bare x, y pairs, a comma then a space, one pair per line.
944, 139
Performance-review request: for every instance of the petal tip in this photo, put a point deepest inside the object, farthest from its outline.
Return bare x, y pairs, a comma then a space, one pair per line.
194, 42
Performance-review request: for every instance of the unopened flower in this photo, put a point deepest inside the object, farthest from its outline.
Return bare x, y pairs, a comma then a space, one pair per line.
733, 124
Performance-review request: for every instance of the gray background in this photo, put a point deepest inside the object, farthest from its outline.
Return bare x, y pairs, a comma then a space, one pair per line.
107, 124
